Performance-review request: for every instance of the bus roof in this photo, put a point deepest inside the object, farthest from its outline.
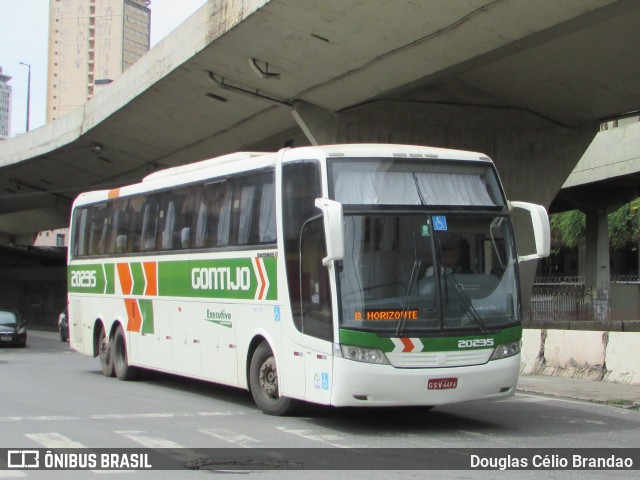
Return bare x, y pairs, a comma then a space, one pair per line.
383, 150
211, 162
243, 161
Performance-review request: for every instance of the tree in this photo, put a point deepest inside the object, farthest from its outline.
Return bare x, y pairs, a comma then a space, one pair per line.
624, 225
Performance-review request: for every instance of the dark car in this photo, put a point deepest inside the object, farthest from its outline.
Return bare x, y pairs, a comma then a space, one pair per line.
63, 325
13, 330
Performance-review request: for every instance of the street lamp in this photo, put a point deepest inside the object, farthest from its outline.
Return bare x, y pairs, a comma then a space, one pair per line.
28, 91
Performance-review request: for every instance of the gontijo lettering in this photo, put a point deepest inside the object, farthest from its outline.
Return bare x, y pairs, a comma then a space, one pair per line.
221, 278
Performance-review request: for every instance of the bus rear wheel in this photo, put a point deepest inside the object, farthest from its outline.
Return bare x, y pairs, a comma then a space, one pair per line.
263, 380
122, 369
105, 352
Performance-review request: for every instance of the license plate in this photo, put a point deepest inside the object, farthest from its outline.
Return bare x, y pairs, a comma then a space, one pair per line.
6, 339
442, 383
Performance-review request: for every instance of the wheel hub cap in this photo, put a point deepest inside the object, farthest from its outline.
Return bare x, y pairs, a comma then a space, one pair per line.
269, 378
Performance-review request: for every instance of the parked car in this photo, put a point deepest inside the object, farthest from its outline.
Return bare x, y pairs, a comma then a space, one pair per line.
63, 325
13, 330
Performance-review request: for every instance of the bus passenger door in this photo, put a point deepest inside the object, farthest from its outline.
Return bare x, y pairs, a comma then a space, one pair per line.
316, 318
309, 372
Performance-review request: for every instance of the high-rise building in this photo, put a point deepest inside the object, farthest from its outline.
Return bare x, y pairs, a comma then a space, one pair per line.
5, 106
91, 42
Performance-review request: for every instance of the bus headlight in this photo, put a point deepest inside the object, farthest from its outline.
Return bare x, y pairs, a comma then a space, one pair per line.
506, 350
365, 355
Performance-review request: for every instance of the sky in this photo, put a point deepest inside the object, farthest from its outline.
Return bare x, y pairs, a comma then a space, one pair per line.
24, 30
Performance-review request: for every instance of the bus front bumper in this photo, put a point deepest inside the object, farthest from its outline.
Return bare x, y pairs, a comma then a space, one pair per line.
362, 384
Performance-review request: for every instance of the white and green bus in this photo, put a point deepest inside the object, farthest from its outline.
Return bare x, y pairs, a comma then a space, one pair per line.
345, 275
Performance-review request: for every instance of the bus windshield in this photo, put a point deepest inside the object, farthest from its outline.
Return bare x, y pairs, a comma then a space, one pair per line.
405, 274
390, 181
429, 246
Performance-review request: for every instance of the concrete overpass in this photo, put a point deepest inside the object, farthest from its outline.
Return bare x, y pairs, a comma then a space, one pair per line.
522, 80
606, 177
608, 174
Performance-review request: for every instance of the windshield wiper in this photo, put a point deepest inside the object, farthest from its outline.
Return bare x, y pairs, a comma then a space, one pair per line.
413, 281
471, 311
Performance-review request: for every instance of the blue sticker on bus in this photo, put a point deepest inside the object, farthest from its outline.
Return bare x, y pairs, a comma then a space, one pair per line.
440, 223
276, 313
325, 381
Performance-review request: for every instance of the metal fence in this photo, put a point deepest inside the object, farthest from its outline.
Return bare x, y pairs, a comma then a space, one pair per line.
626, 279
560, 299
567, 298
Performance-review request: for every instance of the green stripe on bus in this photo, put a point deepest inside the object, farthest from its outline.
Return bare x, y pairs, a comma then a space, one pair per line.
226, 278
231, 279
110, 278
138, 278
146, 310
91, 279
430, 344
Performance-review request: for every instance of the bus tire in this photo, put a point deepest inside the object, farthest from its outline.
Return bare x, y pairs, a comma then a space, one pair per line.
105, 352
121, 365
263, 380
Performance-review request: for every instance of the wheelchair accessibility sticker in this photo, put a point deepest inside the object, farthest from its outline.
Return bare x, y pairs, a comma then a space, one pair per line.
440, 223
321, 382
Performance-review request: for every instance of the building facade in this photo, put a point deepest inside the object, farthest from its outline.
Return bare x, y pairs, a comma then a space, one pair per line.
91, 42
52, 238
5, 106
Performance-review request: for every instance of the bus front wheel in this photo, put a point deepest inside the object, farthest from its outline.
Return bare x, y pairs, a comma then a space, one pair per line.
122, 369
263, 380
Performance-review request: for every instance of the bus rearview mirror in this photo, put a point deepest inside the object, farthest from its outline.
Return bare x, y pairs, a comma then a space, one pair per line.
333, 229
541, 229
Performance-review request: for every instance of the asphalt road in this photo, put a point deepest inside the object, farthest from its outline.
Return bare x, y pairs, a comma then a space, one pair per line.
52, 397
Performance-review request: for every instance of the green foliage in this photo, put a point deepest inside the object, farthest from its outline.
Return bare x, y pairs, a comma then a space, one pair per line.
624, 225
568, 228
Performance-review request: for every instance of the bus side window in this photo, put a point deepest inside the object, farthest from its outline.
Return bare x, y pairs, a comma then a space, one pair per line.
174, 217
257, 222
213, 215
243, 212
134, 225
80, 230
117, 237
224, 211
149, 225
201, 224
184, 214
300, 188
166, 236
104, 233
267, 219
98, 229
253, 217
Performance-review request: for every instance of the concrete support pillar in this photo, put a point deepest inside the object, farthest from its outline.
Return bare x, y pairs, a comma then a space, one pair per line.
582, 259
597, 268
317, 124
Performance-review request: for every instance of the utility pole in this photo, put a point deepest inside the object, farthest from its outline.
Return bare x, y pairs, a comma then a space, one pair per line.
28, 91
